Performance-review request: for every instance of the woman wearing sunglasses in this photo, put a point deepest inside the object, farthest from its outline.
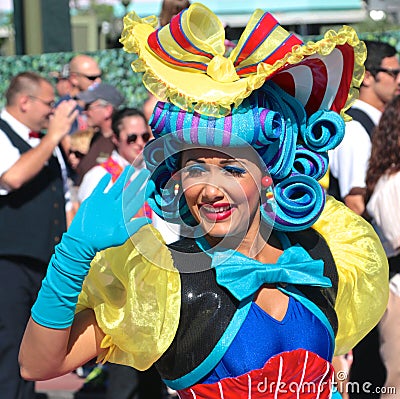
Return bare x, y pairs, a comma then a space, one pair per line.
130, 134
272, 279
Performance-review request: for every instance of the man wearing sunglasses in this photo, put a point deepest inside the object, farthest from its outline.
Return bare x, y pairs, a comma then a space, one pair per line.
101, 101
349, 161
82, 72
348, 165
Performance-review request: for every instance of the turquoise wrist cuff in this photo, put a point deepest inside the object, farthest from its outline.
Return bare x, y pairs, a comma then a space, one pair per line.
58, 296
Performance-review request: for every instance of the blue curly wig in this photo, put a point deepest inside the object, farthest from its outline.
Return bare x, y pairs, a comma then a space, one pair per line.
292, 146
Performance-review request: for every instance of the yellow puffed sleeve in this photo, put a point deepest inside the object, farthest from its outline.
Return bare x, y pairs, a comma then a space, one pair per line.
363, 272
135, 293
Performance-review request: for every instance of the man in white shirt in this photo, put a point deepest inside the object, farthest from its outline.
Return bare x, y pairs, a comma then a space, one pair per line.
32, 210
349, 161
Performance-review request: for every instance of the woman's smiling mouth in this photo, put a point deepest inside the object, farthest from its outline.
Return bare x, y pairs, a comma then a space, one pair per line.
216, 212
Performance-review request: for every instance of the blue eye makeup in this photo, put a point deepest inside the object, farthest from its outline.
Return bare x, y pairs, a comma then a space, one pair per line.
198, 169
195, 170
235, 170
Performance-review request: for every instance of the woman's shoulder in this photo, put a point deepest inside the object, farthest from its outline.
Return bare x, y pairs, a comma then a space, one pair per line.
126, 287
387, 185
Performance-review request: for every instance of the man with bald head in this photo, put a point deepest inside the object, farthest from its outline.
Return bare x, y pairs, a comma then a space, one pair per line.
84, 72
32, 210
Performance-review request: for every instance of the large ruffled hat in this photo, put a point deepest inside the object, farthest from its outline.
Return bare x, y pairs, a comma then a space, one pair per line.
284, 98
184, 62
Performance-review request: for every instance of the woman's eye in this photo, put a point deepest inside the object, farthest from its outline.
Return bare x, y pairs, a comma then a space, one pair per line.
235, 171
195, 170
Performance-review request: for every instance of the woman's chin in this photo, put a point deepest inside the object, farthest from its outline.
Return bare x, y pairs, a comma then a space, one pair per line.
215, 229
221, 232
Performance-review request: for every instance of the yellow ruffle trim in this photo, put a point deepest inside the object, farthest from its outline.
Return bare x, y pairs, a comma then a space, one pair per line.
363, 272
135, 293
159, 77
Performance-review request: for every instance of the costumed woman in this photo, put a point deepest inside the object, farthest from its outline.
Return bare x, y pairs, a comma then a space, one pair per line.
272, 279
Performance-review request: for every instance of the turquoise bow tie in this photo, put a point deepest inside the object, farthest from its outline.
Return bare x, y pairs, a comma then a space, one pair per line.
243, 276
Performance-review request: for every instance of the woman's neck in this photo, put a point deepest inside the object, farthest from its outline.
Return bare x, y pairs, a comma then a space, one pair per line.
252, 246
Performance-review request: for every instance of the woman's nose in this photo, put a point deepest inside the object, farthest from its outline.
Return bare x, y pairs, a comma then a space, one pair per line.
211, 193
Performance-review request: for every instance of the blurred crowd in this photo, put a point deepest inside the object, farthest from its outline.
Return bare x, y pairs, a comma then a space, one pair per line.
55, 147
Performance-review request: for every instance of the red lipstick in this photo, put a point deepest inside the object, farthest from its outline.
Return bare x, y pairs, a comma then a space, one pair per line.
216, 212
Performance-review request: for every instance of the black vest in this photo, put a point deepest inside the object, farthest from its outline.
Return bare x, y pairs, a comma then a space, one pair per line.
32, 218
207, 308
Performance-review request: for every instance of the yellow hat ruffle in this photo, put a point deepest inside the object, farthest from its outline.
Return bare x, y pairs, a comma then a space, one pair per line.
207, 82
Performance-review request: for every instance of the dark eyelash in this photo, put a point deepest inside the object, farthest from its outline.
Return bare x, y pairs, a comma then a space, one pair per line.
192, 169
235, 171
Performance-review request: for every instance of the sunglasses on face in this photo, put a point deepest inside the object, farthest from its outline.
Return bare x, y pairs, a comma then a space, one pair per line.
392, 72
78, 154
133, 137
90, 77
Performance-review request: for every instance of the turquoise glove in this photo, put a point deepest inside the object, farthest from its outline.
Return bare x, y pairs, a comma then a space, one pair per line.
103, 220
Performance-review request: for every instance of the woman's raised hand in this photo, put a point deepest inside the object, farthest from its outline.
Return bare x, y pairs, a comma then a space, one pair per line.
104, 219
